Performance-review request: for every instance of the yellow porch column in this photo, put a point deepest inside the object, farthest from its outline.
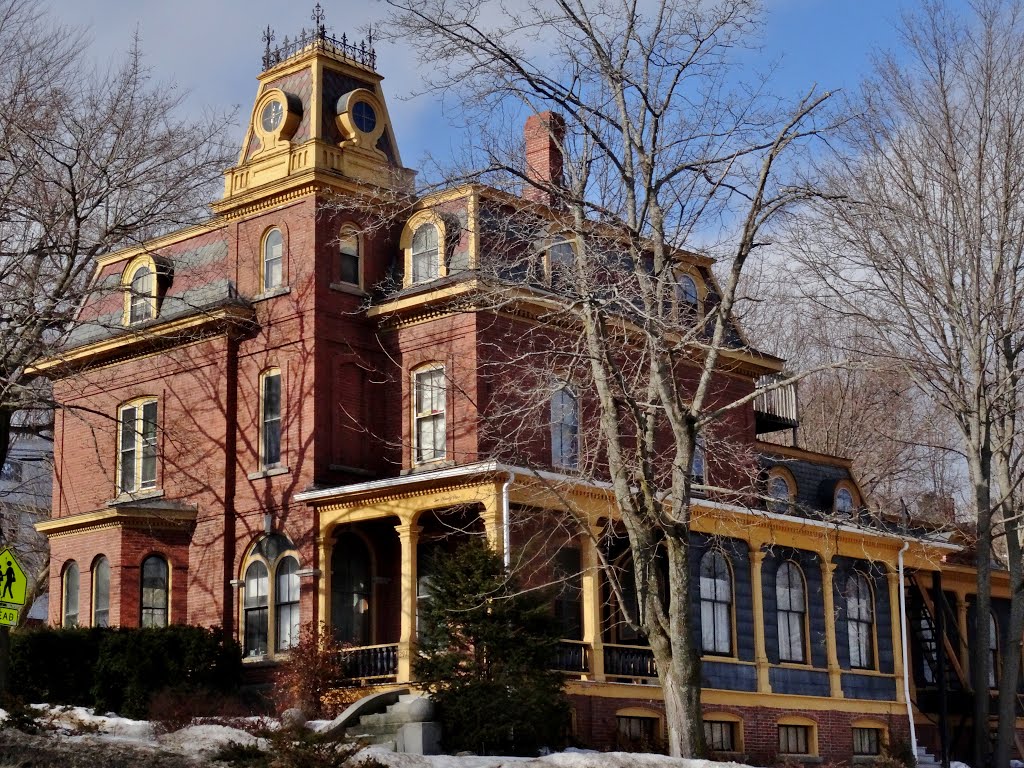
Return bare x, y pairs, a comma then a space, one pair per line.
760, 649
494, 523
324, 592
835, 679
591, 583
408, 537
897, 639
961, 620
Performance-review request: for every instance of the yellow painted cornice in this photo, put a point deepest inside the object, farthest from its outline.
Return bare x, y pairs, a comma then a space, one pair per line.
126, 516
135, 340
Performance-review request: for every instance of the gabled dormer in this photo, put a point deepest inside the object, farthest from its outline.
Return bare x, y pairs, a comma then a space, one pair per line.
319, 118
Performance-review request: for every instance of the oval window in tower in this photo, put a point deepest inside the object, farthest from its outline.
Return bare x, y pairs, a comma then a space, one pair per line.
364, 117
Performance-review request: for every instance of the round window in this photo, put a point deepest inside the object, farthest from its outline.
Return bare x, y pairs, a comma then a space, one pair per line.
364, 117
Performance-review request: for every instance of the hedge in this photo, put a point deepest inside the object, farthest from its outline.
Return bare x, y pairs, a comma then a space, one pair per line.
120, 669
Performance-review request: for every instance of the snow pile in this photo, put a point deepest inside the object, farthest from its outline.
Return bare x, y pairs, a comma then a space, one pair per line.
569, 759
79, 721
205, 740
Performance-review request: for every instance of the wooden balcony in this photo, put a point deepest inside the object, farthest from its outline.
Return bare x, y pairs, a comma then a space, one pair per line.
630, 664
573, 658
776, 409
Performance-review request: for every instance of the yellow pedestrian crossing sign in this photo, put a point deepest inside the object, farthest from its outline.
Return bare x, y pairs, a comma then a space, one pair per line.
13, 583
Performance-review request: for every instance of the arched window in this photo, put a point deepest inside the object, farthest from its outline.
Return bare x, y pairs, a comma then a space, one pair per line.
154, 591
565, 429
844, 503
425, 254
286, 603
255, 609
70, 618
350, 257
791, 602
860, 617
687, 298
351, 590
142, 301
430, 394
270, 418
273, 259
780, 494
101, 593
271, 594
715, 604
993, 650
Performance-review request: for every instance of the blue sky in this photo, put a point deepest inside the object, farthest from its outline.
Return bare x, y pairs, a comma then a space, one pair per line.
213, 48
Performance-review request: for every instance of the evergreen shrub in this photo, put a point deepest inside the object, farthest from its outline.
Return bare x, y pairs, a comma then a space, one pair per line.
120, 669
485, 653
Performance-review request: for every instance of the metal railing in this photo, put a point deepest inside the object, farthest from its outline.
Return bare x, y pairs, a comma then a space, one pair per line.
370, 662
318, 39
630, 661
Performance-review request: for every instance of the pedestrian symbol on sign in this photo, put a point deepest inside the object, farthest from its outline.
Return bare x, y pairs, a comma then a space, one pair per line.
10, 577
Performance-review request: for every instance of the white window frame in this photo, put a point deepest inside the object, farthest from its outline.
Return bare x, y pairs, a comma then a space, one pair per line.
271, 423
425, 263
433, 415
273, 599
70, 582
159, 616
348, 237
716, 604
100, 613
565, 429
791, 610
860, 621
272, 260
138, 446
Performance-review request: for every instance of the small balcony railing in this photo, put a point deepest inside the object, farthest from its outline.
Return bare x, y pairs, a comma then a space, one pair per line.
776, 409
630, 663
371, 663
572, 657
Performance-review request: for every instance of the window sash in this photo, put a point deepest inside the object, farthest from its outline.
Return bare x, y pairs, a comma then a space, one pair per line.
793, 739
867, 741
430, 428
348, 254
720, 735
425, 254
126, 481
564, 430
101, 593
286, 607
791, 636
147, 438
137, 447
140, 303
270, 420
154, 592
273, 259
71, 596
859, 633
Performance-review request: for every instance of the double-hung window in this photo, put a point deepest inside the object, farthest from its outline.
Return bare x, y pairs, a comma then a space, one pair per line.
715, 604
141, 302
859, 621
101, 593
137, 446
565, 427
349, 257
270, 418
273, 259
256, 609
791, 601
425, 254
429, 396
155, 592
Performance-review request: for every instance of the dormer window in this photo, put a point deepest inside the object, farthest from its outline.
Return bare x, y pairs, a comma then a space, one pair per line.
425, 254
780, 493
687, 298
844, 503
273, 259
141, 290
560, 259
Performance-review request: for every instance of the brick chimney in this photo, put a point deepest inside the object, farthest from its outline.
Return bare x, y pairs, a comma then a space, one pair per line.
544, 134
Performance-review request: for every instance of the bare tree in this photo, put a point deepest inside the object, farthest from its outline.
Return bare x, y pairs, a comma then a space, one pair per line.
923, 234
658, 149
90, 161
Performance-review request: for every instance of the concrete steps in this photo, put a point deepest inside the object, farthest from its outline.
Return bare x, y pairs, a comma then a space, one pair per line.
404, 727
926, 759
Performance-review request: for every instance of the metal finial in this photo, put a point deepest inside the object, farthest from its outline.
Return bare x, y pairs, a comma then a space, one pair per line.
318, 20
268, 38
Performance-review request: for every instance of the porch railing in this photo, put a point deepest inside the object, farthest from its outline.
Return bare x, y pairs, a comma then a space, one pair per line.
370, 662
633, 662
572, 657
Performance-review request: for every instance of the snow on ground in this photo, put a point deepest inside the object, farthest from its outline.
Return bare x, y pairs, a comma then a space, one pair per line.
80, 724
